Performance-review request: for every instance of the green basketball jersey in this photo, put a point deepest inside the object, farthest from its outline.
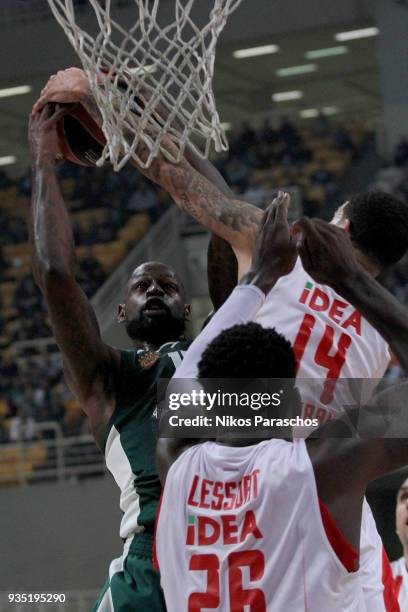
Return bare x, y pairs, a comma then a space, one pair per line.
130, 437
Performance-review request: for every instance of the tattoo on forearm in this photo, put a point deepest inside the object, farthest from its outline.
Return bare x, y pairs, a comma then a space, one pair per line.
199, 198
190, 208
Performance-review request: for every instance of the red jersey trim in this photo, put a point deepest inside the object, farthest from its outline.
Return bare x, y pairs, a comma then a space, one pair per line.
390, 594
346, 554
397, 585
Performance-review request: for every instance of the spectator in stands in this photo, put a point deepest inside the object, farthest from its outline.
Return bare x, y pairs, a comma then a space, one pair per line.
22, 427
90, 274
265, 155
5, 266
267, 134
8, 370
237, 173
246, 140
342, 139
322, 175
27, 297
23, 332
13, 230
39, 328
288, 133
256, 193
31, 326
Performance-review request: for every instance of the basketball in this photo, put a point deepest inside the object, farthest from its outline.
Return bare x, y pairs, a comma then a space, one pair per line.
81, 139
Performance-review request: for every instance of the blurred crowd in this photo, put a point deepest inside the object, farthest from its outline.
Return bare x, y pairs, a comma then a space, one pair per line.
272, 157
393, 178
102, 203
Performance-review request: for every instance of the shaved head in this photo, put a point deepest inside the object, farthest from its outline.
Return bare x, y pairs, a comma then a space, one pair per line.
155, 311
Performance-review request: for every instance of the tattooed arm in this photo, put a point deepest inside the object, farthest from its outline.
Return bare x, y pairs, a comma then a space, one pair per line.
222, 265
89, 364
232, 220
196, 186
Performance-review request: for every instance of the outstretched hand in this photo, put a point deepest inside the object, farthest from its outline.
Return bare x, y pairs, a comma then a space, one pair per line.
326, 251
43, 136
274, 251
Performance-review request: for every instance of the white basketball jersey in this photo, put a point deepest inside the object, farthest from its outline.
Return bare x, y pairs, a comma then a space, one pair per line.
240, 530
330, 338
400, 573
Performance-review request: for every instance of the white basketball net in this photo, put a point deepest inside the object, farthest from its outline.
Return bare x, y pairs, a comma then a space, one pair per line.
175, 63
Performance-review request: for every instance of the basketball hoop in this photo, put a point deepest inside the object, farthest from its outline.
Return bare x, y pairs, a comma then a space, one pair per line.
174, 63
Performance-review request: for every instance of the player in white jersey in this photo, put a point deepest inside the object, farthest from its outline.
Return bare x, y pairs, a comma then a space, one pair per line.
330, 338
265, 527
399, 567
331, 341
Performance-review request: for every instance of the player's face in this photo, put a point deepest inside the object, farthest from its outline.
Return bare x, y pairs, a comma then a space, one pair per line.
154, 308
401, 513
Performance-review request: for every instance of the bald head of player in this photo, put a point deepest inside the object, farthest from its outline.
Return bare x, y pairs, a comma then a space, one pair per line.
155, 309
401, 516
378, 226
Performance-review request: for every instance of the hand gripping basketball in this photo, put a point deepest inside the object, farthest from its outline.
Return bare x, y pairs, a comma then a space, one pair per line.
67, 86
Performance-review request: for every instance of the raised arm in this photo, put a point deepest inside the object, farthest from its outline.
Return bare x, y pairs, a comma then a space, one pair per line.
194, 184
233, 220
89, 364
222, 265
274, 256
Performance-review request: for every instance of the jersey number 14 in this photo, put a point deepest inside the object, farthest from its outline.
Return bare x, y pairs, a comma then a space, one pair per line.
333, 363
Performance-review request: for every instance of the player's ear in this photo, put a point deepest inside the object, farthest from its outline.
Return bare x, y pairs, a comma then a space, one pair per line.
187, 311
121, 313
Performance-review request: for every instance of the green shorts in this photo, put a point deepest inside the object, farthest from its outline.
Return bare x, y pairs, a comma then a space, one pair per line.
133, 585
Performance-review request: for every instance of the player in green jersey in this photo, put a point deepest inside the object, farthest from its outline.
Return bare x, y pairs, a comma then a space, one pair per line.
116, 388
